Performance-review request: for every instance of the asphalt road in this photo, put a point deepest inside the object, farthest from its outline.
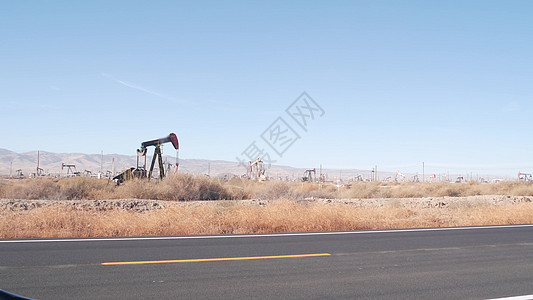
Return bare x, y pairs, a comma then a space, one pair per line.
466, 263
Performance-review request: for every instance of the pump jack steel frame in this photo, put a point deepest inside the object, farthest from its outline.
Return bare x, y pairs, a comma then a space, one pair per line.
159, 156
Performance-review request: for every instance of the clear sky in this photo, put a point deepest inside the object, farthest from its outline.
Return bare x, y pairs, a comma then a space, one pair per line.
448, 83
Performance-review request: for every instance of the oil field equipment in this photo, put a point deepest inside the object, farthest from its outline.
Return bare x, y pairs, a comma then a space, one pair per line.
399, 177
256, 170
417, 179
71, 170
309, 175
140, 171
525, 177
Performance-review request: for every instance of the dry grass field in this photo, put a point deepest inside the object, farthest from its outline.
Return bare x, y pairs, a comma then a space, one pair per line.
83, 207
185, 187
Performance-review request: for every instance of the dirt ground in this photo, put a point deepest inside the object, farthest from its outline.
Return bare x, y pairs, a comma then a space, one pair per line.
138, 205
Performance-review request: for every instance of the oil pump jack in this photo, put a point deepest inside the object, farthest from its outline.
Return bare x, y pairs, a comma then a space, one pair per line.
140, 171
171, 138
256, 170
309, 175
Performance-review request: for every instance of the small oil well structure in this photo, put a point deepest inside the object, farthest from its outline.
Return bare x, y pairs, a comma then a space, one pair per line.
256, 170
140, 171
309, 175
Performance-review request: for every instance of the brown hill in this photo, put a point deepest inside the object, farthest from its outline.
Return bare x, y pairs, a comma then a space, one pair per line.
51, 164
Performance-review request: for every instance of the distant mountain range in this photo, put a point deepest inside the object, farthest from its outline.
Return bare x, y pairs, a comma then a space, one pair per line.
51, 163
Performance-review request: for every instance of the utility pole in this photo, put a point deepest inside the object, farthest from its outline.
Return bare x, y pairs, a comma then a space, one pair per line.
423, 173
37, 171
376, 169
101, 161
11, 170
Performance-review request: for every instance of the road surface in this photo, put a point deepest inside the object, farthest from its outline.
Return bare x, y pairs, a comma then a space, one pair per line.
460, 263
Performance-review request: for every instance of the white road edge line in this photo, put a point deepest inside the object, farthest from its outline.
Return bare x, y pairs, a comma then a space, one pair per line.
525, 297
103, 239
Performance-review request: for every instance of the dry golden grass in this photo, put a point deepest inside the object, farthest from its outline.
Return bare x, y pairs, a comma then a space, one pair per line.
367, 190
181, 187
230, 217
283, 212
185, 187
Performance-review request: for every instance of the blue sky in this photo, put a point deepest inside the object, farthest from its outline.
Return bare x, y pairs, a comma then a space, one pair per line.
448, 83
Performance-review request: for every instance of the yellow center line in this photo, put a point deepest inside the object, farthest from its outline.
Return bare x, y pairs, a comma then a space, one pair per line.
211, 259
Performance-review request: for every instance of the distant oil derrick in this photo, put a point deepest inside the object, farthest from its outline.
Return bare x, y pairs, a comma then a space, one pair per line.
71, 169
525, 177
256, 170
309, 175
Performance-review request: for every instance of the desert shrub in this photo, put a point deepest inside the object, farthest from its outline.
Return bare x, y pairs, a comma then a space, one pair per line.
32, 189
210, 189
237, 192
185, 187
324, 192
523, 190
75, 188
305, 188
517, 188
274, 190
415, 190
238, 188
447, 191
137, 189
365, 190
2, 190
